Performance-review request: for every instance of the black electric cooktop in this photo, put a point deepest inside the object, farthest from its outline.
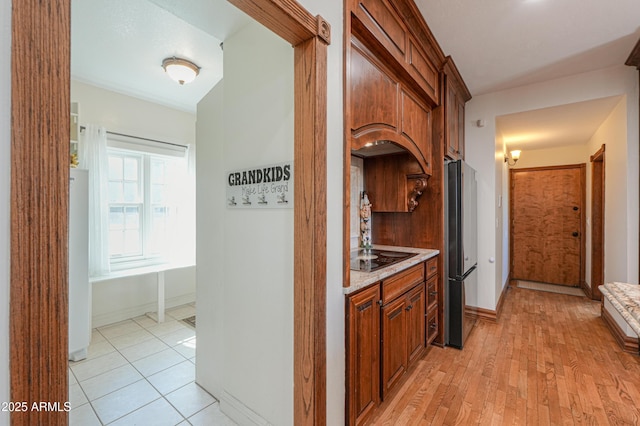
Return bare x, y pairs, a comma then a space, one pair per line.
374, 259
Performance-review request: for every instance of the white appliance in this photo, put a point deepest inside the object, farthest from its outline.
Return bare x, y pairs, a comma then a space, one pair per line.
79, 286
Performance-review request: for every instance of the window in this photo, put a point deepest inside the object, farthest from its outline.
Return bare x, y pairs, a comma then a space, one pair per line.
145, 191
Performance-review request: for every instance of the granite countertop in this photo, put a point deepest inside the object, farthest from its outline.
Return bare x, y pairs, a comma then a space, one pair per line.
360, 280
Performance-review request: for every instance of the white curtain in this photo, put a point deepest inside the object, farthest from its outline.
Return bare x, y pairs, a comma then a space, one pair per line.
180, 247
93, 156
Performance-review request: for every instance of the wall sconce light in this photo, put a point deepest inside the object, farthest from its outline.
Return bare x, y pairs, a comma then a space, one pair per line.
515, 156
180, 70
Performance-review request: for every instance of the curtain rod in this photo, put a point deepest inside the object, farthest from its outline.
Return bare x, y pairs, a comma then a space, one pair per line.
141, 138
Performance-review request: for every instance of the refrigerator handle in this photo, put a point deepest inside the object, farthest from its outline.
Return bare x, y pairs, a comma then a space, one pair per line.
466, 274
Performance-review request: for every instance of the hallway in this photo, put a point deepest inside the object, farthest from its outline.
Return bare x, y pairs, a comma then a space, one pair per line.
549, 360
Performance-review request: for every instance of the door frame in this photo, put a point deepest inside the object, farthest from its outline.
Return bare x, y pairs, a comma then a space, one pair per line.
582, 168
597, 221
40, 87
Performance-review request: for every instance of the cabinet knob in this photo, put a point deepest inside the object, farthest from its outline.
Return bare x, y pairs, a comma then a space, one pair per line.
433, 325
433, 293
575, 234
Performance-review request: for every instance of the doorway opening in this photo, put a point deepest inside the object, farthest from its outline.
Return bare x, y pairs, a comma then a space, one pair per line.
40, 138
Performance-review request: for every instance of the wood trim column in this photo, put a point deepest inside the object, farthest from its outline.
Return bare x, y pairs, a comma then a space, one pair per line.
309, 36
310, 230
40, 103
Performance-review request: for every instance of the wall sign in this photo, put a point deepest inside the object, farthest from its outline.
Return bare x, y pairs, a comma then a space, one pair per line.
265, 187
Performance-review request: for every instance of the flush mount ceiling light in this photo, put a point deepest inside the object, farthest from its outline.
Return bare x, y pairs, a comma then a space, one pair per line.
180, 70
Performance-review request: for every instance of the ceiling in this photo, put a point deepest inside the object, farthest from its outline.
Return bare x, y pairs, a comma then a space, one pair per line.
570, 124
502, 44
496, 44
120, 44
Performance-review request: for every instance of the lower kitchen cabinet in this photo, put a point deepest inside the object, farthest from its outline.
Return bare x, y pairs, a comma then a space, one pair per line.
432, 309
403, 335
394, 343
389, 325
363, 356
416, 328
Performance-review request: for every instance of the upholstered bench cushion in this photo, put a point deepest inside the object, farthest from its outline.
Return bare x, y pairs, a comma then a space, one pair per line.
626, 299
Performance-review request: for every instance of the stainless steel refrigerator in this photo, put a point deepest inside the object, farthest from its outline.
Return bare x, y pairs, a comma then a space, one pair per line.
461, 251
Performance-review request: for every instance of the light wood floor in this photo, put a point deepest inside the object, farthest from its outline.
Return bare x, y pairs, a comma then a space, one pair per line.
549, 360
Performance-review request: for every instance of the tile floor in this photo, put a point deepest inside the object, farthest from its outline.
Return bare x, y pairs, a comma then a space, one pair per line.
139, 372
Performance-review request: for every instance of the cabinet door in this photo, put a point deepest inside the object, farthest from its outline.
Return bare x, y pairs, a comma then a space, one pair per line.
432, 292
374, 94
386, 183
432, 324
416, 337
394, 343
460, 125
381, 19
451, 119
363, 353
416, 126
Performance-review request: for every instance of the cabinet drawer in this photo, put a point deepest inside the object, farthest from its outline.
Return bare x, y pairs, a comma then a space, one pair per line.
432, 266
432, 292
395, 285
432, 325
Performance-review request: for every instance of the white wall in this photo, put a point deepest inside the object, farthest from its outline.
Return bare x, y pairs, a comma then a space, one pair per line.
613, 133
132, 116
209, 241
5, 186
217, 287
571, 154
118, 299
253, 275
485, 153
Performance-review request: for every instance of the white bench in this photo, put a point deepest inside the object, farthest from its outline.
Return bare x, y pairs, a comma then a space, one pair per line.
157, 270
625, 299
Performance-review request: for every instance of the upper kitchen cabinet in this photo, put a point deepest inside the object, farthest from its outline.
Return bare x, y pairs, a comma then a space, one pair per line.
382, 108
385, 24
392, 79
456, 95
394, 182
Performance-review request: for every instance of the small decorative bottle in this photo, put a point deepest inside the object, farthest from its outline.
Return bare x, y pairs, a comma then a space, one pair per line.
365, 223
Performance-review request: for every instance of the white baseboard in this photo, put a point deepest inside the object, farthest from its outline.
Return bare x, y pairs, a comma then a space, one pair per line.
240, 413
124, 314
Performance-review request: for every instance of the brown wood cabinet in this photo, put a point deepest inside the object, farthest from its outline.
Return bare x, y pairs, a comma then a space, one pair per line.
363, 354
416, 337
381, 108
388, 329
382, 20
394, 343
456, 96
403, 335
394, 183
403, 323
374, 95
416, 126
433, 300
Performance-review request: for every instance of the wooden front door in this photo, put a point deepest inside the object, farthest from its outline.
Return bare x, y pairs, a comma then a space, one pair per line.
547, 224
